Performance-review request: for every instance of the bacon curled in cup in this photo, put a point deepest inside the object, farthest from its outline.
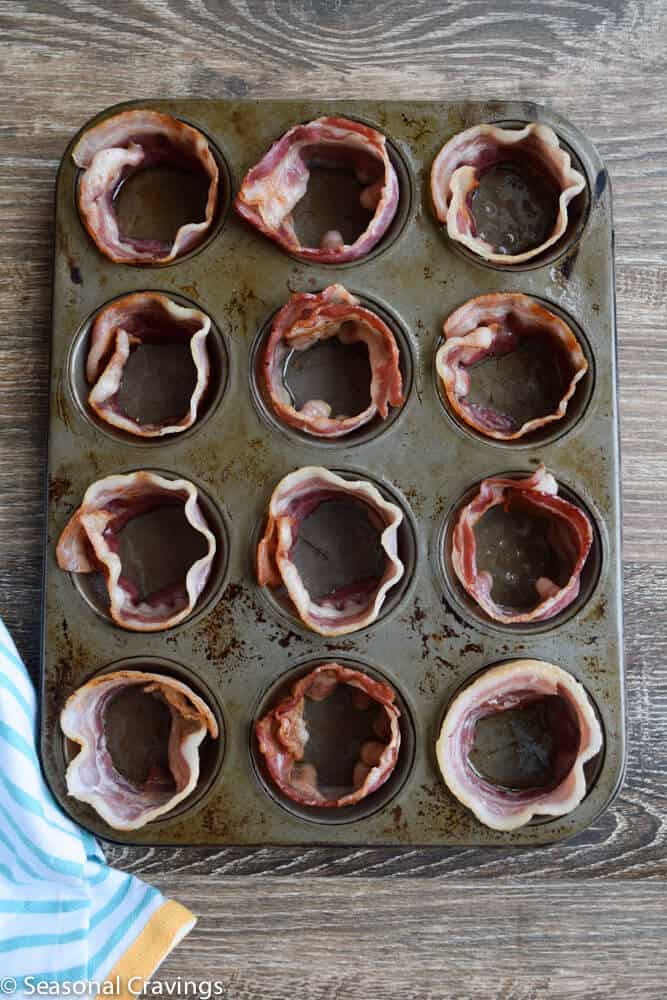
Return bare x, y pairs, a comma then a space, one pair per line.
124, 325
273, 187
496, 325
283, 734
354, 605
90, 543
308, 320
568, 532
92, 776
116, 148
575, 734
458, 167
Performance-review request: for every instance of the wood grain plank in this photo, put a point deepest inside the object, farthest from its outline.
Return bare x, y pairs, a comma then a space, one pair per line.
455, 939
604, 65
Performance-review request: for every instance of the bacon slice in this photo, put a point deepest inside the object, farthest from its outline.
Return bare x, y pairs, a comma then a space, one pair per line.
307, 320
92, 777
272, 188
495, 325
282, 735
570, 534
89, 544
143, 318
120, 146
509, 686
294, 498
461, 161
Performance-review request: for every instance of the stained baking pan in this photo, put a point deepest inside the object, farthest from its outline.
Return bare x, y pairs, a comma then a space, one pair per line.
244, 644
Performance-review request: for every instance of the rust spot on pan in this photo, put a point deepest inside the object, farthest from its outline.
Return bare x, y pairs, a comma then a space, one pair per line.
192, 290
428, 685
72, 662
597, 611
415, 621
59, 487
285, 639
342, 646
450, 611
419, 127
217, 636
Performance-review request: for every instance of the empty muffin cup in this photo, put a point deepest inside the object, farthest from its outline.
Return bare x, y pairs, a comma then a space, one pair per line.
513, 370
520, 552
146, 550
148, 367
511, 194
332, 741
151, 188
337, 551
333, 191
331, 369
143, 741
521, 739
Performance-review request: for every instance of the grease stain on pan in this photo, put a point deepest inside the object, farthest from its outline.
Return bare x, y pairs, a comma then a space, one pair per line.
250, 467
415, 621
398, 825
219, 636
241, 307
437, 807
287, 638
59, 487
72, 661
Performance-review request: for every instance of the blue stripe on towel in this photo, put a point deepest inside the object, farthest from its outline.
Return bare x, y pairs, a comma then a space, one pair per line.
64, 914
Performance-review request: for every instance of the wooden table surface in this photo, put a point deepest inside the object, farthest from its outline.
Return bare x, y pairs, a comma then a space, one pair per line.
586, 919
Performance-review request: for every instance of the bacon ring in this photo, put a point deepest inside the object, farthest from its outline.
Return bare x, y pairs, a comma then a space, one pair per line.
282, 735
461, 161
494, 325
89, 544
294, 498
143, 317
510, 686
272, 188
307, 320
570, 534
122, 145
92, 777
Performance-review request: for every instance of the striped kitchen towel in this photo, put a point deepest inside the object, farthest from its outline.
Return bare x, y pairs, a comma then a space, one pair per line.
65, 916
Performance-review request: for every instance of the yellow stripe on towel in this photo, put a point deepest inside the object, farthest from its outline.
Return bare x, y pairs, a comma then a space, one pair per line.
164, 930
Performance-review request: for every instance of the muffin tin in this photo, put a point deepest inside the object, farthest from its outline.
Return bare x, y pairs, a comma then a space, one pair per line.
243, 645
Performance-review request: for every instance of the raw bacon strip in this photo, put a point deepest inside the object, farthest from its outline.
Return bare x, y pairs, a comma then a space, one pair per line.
293, 499
89, 544
91, 776
142, 318
307, 320
461, 161
272, 188
571, 535
120, 146
510, 686
282, 736
494, 325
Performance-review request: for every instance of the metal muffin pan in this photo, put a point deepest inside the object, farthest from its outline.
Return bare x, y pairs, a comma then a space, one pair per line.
428, 643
